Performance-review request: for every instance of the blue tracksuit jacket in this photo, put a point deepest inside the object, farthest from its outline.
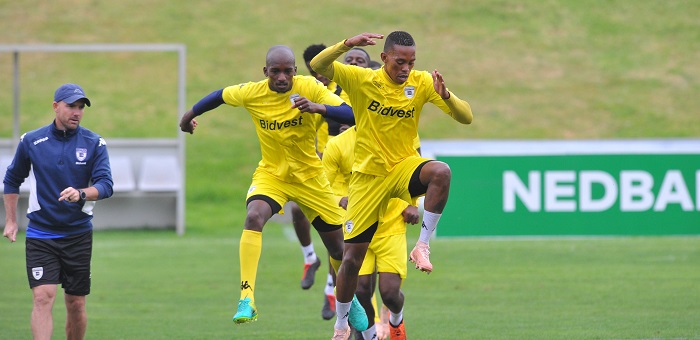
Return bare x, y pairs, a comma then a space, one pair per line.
60, 159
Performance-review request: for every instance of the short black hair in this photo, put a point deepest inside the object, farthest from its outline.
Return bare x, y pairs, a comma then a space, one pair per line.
400, 38
311, 51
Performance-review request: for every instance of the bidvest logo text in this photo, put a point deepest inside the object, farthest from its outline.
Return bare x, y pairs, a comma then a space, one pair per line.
595, 191
274, 125
379, 108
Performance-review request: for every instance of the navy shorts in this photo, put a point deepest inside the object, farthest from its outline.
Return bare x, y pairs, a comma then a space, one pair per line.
64, 260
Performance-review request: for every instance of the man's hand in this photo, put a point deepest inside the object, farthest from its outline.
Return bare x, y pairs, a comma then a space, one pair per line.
363, 39
439, 85
410, 214
344, 202
69, 194
10, 231
305, 105
188, 123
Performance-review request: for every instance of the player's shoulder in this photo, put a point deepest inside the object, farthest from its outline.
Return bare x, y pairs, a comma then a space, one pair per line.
421, 76
247, 86
305, 80
91, 135
40, 132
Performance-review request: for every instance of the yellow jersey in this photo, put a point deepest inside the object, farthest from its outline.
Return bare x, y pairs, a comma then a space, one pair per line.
337, 160
386, 113
287, 136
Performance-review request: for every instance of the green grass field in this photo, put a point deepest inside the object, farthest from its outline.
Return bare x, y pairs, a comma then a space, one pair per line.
155, 285
564, 69
531, 70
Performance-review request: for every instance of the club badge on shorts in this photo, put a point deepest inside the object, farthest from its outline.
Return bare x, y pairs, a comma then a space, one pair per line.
348, 227
409, 91
38, 272
81, 154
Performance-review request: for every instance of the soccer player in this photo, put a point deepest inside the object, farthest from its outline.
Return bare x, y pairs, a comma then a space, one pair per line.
386, 255
71, 171
302, 227
387, 104
285, 109
329, 129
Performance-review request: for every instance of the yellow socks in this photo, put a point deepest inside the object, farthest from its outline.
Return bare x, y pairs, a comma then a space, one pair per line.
249, 256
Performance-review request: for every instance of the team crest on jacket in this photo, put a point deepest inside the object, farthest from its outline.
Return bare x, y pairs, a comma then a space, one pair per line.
81, 154
37, 272
410, 91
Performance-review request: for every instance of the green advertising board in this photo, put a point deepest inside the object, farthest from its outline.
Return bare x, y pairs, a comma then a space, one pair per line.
537, 194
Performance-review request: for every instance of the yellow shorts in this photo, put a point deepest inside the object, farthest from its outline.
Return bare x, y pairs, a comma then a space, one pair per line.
392, 222
387, 254
314, 196
369, 195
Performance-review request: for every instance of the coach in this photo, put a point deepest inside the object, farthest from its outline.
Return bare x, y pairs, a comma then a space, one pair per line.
70, 171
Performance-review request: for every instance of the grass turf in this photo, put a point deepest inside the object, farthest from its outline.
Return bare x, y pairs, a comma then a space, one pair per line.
155, 285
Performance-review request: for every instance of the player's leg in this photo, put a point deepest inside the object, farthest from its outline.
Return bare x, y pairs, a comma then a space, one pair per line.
75, 276
317, 202
302, 228
332, 237
259, 210
328, 309
366, 202
393, 298
43, 270
365, 291
347, 308
76, 316
42, 320
390, 252
431, 178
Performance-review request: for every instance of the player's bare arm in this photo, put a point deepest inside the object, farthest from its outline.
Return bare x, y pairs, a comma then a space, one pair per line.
363, 39
10, 230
